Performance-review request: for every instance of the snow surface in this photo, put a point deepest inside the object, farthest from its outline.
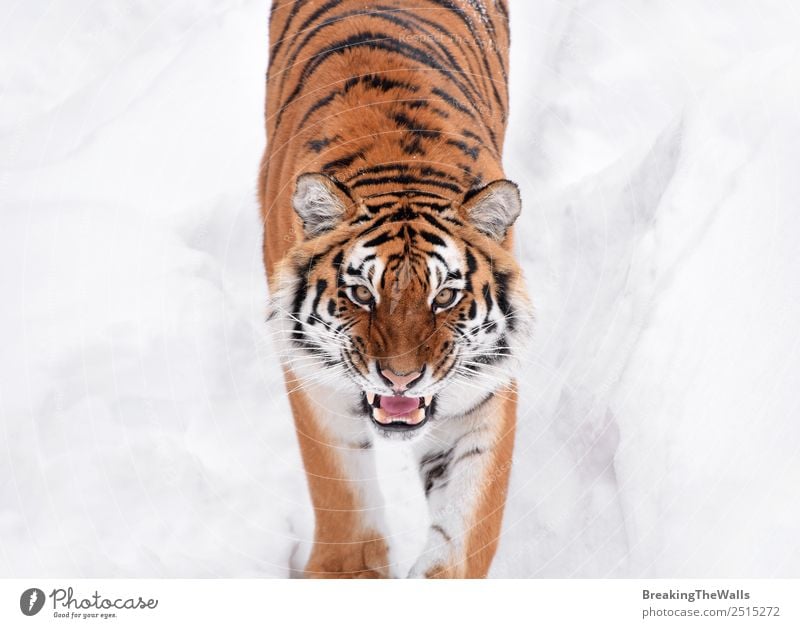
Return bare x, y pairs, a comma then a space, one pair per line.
144, 427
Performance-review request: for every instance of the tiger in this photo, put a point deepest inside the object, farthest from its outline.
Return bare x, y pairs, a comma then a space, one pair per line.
397, 306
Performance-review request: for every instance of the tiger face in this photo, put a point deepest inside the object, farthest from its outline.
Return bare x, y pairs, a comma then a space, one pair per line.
406, 303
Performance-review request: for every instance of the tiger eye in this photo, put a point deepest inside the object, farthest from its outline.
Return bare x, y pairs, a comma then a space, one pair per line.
362, 295
445, 297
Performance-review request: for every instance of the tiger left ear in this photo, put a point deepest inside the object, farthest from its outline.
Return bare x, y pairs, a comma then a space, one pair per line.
320, 201
494, 208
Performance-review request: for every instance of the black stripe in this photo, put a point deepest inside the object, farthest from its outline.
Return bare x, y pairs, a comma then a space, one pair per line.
501, 6
436, 255
380, 206
432, 238
381, 239
469, 151
428, 171
437, 528
455, 104
502, 281
472, 266
435, 457
379, 168
475, 451
314, 315
409, 193
415, 127
282, 37
487, 296
342, 162
360, 219
431, 205
470, 134
478, 405
434, 475
297, 302
405, 179
318, 144
433, 221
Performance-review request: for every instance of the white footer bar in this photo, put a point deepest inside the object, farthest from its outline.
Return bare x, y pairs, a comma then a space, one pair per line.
384, 604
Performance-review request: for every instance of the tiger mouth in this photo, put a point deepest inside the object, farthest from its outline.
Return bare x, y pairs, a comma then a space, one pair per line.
397, 412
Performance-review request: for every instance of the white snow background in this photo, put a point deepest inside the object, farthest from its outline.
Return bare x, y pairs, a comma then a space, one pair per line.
145, 430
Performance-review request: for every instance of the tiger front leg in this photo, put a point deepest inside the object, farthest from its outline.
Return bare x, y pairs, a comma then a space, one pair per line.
348, 508
464, 464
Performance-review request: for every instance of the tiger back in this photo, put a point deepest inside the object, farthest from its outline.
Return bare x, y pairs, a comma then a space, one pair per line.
382, 97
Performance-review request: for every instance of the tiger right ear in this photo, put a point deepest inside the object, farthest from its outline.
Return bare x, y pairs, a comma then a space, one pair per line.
494, 208
320, 201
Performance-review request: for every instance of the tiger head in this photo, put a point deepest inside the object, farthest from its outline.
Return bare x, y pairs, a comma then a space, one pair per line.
406, 303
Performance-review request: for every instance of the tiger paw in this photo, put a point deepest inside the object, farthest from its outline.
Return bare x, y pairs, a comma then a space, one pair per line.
436, 565
353, 560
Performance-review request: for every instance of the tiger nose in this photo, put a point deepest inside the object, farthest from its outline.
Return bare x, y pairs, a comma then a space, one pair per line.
400, 382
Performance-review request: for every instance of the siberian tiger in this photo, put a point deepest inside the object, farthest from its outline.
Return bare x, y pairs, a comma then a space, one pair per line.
398, 306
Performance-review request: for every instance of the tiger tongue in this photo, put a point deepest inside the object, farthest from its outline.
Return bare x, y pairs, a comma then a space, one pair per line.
399, 406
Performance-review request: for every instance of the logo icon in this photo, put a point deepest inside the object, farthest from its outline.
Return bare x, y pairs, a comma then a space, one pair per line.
31, 601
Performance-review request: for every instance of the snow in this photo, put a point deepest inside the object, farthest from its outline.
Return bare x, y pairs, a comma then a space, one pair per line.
145, 430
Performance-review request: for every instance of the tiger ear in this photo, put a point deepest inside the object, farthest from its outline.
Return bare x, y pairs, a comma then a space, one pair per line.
320, 201
493, 208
